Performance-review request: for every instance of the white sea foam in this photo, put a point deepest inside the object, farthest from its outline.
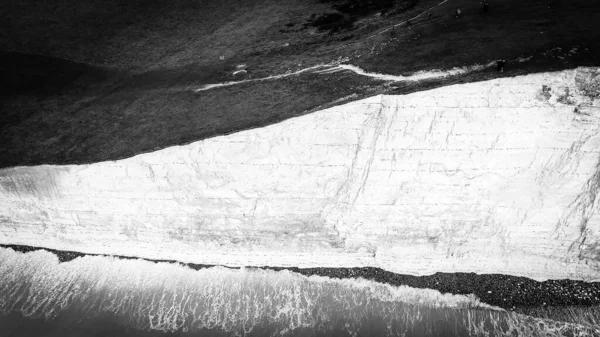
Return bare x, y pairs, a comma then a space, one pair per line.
171, 297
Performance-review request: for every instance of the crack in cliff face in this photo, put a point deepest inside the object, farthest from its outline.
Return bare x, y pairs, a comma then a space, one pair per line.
381, 121
376, 125
592, 207
568, 159
579, 213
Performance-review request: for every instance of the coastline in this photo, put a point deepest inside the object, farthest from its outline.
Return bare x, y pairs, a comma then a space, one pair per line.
508, 292
456, 179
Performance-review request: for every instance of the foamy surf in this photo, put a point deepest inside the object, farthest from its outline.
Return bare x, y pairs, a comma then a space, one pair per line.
149, 296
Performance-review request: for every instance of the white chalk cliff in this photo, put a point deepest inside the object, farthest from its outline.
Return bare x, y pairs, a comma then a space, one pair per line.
490, 177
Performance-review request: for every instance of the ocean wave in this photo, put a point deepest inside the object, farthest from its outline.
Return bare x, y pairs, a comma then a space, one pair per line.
171, 297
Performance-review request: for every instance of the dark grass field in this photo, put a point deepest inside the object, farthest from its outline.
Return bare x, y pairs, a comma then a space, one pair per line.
88, 81
130, 121
510, 29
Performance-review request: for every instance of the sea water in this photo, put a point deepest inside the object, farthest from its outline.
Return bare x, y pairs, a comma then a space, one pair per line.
105, 296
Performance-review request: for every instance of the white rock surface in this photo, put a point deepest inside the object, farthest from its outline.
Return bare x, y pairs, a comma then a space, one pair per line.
487, 177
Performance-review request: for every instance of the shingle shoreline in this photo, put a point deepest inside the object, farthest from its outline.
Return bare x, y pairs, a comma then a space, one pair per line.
505, 291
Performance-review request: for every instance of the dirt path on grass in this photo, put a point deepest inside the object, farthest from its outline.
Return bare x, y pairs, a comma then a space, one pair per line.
404, 22
274, 77
131, 113
338, 66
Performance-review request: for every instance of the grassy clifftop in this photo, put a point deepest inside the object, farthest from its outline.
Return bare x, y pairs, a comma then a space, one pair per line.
100, 80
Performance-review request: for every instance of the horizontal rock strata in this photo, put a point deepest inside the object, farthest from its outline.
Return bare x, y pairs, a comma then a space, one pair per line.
492, 177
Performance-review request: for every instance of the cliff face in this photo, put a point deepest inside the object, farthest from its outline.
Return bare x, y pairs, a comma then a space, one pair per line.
492, 177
